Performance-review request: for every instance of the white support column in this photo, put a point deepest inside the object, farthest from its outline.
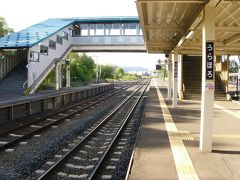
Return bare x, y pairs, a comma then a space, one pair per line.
227, 88
58, 77
208, 38
169, 96
174, 78
180, 86
68, 75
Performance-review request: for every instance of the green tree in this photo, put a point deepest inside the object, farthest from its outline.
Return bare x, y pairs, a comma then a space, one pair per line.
82, 67
107, 71
130, 77
118, 73
49, 82
4, 29
233, 66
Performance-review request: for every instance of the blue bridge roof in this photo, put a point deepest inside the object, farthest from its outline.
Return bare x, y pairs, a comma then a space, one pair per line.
38, 32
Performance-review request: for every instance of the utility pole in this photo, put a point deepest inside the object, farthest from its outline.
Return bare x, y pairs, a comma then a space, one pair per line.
95, 57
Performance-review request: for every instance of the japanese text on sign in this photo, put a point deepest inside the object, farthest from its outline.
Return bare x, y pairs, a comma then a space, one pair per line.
209, 60
209, 86
175, 70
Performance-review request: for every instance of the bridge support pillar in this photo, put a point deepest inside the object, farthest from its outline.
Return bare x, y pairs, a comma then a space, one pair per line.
208, 38
68, 75
174, 78
169, 95
58, 76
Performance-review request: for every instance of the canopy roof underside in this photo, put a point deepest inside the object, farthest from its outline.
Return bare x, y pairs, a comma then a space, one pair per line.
166, 25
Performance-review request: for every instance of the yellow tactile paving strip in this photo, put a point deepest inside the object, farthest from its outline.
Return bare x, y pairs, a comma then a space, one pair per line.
183, 163
185, 135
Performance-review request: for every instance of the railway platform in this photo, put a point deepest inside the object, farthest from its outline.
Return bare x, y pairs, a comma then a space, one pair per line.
168, 142
18, 110
5, 99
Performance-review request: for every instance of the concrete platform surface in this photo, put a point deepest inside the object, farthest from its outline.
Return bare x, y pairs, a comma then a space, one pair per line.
5, 100
168, 142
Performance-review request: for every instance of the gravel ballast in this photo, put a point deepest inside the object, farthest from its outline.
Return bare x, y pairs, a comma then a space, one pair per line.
30, 156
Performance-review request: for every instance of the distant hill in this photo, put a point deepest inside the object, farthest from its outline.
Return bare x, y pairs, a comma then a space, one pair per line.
131, 69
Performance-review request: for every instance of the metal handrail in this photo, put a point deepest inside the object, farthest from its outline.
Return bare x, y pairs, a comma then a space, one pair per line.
24, 84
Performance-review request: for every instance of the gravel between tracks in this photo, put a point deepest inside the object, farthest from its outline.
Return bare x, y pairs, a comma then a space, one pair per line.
26, 159
121, 166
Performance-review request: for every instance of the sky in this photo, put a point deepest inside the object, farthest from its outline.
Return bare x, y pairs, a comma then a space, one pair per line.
20, 14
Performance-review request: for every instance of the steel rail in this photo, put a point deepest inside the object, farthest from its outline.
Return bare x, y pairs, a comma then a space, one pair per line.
60, 110
15, 141
100, 162
132, 154
51, 170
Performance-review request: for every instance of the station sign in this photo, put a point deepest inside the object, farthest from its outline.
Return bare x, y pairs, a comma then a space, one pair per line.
175, 70
158, 67
209, 60
162, 62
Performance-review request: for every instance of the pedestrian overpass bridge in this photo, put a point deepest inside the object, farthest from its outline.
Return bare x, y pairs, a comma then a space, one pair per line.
45, 45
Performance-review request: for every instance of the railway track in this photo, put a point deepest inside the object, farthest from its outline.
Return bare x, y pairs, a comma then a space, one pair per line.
20, 133
87, 155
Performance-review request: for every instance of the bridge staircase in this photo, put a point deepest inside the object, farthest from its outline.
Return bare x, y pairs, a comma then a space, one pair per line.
12, 83
192, 80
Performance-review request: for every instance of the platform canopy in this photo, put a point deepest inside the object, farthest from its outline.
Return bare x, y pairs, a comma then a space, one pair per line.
170, 24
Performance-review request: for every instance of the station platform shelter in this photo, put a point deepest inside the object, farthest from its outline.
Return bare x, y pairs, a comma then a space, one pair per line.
168, 141
200, 28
